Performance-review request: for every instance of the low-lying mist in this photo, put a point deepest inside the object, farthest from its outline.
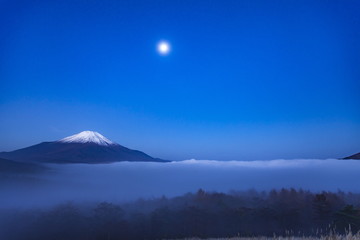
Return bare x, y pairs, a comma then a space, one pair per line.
127, 181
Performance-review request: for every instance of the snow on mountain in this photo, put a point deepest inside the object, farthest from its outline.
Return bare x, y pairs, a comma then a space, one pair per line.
88, 137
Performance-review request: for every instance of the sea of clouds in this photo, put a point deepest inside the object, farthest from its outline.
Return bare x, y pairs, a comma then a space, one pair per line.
126, 181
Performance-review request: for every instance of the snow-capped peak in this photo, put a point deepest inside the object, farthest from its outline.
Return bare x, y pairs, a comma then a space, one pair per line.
88, 137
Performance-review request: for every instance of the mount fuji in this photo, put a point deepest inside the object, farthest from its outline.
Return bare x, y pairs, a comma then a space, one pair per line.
84, 147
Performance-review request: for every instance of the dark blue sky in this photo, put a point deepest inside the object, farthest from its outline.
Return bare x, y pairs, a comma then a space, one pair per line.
244, 80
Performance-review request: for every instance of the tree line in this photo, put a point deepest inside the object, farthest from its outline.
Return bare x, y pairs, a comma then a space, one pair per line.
201, 214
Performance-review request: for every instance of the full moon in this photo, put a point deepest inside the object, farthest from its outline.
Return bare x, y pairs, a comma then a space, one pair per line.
163, 48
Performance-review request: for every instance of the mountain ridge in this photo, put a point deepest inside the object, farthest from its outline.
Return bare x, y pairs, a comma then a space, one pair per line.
354, 156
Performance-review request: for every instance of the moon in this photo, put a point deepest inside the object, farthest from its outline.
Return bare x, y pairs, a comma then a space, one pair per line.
163, 48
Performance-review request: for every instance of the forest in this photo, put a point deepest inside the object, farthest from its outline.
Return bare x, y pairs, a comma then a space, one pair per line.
201, 214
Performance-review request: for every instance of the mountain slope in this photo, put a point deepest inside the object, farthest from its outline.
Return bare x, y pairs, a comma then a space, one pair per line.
8, 166
355, 156
85, 147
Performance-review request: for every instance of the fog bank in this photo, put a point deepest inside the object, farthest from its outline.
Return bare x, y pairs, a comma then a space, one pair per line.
125, 181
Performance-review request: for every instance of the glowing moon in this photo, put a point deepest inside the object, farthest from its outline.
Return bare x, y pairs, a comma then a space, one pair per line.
163, 48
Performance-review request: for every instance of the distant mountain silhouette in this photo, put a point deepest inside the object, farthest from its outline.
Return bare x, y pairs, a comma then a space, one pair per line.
13, 167
355, 156
85, 147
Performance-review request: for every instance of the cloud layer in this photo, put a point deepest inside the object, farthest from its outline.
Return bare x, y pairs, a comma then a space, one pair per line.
127, 181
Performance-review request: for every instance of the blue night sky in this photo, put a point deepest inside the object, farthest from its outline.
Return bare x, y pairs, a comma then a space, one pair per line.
244, 80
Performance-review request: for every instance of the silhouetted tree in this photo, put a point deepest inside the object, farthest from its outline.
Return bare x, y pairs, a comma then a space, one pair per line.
348, 218
201, 214
108, 221
322, 211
